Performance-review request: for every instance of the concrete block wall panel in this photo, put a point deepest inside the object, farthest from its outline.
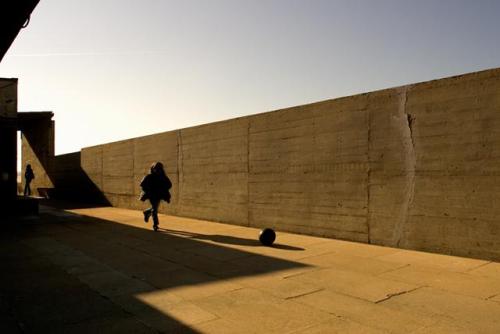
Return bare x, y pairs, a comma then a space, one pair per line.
308, 169
454, 206
391, 172
415, 167
213, 165
118, 172
436, 183
147, 150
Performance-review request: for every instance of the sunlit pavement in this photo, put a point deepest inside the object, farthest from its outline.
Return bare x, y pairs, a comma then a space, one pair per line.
104, 270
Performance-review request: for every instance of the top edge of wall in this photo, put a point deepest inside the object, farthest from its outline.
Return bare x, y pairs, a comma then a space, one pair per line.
482, 73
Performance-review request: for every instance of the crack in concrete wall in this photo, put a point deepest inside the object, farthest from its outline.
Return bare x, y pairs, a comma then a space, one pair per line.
410, 162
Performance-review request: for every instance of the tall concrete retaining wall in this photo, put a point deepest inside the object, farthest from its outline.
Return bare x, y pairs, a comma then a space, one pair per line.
415, 167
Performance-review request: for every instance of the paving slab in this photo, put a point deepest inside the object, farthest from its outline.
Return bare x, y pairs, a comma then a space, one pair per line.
254, 310
340, 326
362, 286
277, 286
460, 283
369, 314
437, 261
490, 269
104, 270
472, 314
182, 310
354, 263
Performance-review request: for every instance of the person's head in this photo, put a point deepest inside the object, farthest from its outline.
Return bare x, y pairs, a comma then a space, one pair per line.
28, 166
157, 168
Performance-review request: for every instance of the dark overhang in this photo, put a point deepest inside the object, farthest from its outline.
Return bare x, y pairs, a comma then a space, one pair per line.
33, 117
14, 15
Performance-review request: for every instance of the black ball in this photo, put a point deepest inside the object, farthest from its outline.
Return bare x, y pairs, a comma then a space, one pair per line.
267, 236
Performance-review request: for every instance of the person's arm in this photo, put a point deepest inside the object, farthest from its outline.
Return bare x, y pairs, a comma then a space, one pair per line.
145, 186
168, 183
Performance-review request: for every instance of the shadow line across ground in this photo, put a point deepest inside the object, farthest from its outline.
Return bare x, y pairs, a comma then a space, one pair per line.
68, 271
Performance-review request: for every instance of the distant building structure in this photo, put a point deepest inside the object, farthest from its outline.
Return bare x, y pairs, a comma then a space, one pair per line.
14, 15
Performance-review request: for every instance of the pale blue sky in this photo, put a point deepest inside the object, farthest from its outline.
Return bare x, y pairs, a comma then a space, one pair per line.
116, 69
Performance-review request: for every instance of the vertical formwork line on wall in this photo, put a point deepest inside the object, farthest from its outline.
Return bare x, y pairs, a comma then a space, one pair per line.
369, 176
248, 171
180, 173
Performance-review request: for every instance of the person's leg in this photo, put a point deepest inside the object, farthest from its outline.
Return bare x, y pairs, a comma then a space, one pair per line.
26, 187
147, 212
154, 212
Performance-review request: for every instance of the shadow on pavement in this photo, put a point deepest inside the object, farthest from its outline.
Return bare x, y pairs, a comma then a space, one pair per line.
68, 205
227, 239
69, 271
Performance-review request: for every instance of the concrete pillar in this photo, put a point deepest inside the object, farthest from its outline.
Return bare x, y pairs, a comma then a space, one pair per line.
8, 141
8, 156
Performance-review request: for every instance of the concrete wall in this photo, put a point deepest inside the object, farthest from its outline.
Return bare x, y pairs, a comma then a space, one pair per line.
414, 167
37, 149
72, 183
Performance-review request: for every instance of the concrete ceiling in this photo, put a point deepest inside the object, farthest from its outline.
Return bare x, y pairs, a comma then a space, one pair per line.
13, 15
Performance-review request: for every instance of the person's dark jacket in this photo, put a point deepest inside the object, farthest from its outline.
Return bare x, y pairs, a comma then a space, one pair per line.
29, 175
156, 187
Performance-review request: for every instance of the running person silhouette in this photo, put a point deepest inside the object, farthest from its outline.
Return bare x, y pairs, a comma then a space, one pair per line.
155, 187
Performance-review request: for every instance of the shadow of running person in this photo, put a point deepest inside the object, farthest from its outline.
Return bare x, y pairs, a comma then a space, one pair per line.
226, 239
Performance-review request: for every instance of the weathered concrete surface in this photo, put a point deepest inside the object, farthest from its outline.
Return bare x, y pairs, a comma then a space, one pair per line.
413, 167
434, 178
105, 270
37, 149
308, 169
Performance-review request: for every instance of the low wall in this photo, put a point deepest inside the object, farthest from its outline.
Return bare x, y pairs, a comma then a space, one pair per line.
414, 167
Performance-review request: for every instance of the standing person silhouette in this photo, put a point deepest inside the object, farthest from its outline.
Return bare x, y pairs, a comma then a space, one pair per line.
155, 187
28, 177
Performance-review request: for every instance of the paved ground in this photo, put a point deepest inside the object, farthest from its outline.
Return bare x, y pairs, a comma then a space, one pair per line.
103, 270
